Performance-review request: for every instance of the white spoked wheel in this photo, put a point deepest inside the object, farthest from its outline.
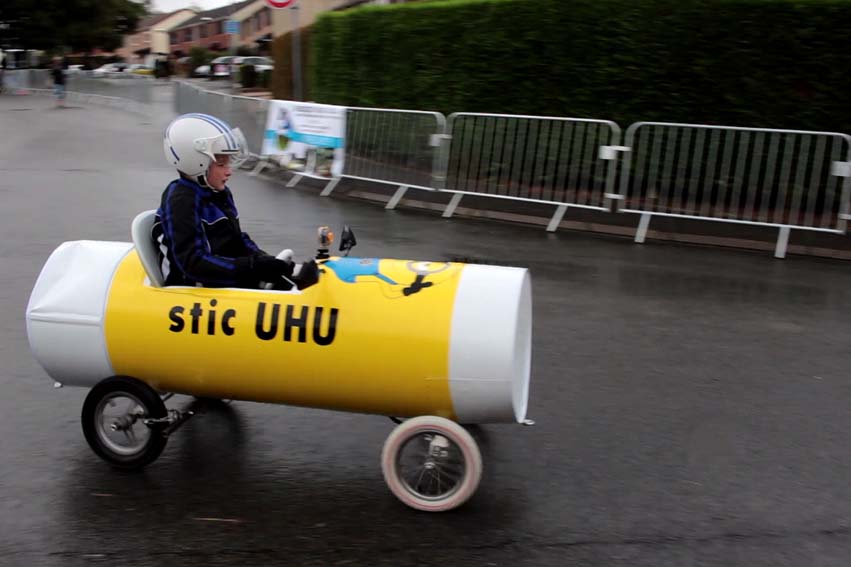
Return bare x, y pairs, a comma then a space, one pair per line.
431, 463
113, 419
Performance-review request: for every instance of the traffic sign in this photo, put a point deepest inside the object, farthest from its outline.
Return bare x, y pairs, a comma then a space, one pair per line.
280, 3
232, 26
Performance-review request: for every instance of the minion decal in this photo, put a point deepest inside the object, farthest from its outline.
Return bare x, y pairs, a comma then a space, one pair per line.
375, 270
349, 269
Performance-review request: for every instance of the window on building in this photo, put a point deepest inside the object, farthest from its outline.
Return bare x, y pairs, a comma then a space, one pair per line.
203, 30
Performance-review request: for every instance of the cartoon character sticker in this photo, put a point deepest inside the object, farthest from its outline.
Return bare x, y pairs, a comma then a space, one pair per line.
375, 270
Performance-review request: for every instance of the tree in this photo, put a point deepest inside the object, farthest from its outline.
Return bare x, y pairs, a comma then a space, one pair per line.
80, 25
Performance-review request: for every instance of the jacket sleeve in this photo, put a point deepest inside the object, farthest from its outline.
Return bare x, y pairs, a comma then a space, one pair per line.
182, 227
249, 244
252, 246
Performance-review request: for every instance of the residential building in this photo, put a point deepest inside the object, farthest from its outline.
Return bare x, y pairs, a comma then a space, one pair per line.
151, 39
283, 20
208, 29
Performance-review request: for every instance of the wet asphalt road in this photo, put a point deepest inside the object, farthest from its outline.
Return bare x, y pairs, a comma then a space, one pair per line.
692, 403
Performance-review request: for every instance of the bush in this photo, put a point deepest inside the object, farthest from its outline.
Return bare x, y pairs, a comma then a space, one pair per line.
778, 63
264, 79
199, 56
247, 76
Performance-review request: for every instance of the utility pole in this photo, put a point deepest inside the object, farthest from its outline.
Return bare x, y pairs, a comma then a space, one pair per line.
296, 36
296, 53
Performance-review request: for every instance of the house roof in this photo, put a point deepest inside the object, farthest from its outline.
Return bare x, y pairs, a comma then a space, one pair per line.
350, 4
216, 13
153, 19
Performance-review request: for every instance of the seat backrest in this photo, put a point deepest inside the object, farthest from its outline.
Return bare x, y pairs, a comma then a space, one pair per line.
146, 248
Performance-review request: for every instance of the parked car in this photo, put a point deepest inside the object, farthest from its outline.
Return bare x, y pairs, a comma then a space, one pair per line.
220, 67
139, 69
260, 63
201, 71
105, 70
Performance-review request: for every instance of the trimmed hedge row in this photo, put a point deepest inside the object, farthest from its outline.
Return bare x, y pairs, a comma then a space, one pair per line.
766, 63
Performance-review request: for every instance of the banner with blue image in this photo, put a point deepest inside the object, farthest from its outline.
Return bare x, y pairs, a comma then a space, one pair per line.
308, 137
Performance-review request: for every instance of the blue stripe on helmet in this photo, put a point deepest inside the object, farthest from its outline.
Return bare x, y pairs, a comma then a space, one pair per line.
228, 131
220, 126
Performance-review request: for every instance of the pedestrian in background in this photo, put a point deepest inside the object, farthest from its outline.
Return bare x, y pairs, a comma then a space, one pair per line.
2, 70
58, 82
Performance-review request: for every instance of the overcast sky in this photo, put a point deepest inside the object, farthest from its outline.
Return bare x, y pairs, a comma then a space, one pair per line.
171, 5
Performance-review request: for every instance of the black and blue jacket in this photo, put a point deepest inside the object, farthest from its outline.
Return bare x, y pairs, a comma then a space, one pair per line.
199, 234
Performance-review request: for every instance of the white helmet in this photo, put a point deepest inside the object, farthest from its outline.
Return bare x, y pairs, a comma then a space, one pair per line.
192, 141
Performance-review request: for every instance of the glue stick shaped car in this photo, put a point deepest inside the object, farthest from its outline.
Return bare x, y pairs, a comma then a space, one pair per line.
431, 344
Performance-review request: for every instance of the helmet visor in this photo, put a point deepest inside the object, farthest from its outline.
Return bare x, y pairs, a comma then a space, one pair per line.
241, 154
231, 143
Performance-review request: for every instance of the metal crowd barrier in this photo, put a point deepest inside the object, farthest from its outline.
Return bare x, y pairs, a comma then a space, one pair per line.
19, 81
569, 162
133, 87
779, 178
787, 179
111, 101
129, 94
250, 114
399, 147
246, 113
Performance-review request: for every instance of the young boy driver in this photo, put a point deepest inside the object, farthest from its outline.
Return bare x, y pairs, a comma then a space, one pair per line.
197, 223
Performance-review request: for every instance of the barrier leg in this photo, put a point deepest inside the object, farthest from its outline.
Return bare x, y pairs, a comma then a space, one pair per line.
782, 241
556, 220
641, 233
453, 204
330, 187
400, 192
294, 181
262, 163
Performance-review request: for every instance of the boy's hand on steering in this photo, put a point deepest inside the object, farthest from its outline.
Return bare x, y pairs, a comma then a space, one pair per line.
307, 276
270, 269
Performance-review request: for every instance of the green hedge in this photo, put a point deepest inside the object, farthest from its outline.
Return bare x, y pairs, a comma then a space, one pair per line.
770, 63
247, 76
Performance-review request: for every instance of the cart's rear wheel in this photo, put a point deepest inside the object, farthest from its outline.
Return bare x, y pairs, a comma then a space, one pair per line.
113, 422
431, 463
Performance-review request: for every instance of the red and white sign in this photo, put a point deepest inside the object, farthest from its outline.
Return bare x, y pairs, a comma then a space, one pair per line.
280, 3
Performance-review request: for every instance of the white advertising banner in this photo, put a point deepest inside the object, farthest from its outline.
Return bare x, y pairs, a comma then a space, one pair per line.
310, 138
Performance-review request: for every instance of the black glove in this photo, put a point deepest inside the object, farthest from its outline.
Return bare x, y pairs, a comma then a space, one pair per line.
270, 269
307, 275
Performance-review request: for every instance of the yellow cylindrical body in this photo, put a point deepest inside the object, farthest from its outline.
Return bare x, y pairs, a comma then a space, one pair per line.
360, 346
392, 337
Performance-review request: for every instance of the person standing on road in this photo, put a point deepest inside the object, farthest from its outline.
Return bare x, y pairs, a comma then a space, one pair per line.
197, 223
2, 70
58, 73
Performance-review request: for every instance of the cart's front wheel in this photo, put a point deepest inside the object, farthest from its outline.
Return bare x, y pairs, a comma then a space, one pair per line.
431, 463
114, 415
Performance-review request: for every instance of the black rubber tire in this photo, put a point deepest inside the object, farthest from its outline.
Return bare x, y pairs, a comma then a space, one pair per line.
150, 402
